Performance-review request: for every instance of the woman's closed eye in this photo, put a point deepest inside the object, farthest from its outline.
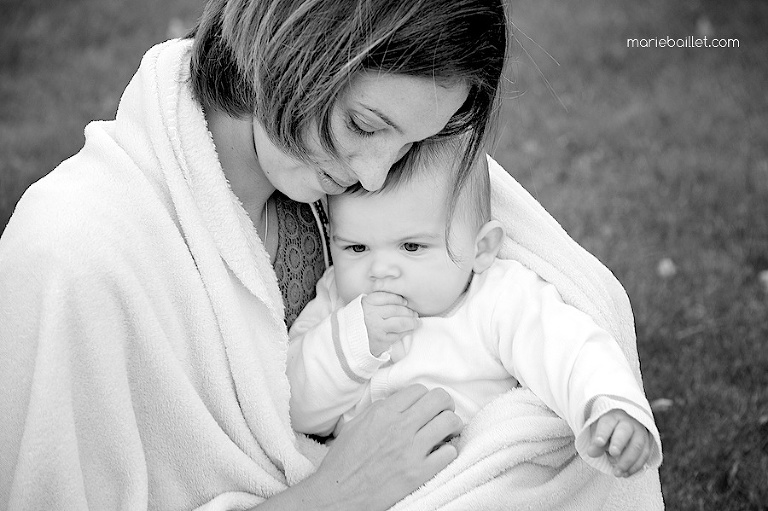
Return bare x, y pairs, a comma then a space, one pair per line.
360, 127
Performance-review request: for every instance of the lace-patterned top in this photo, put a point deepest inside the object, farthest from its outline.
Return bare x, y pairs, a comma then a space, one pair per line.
299, 263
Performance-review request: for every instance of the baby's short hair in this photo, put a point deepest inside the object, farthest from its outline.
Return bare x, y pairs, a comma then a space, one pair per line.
469, 192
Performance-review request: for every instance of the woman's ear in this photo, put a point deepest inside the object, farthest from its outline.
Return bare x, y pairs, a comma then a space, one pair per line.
487, 245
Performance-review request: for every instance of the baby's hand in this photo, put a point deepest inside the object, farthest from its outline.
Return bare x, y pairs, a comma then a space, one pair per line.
630, 442
387, 320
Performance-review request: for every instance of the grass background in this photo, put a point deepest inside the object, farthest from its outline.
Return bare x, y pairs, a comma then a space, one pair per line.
656, 160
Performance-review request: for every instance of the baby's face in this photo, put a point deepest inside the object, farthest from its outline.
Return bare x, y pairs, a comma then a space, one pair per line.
395, 242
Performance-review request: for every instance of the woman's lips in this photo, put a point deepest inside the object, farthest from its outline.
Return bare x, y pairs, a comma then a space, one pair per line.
329, 185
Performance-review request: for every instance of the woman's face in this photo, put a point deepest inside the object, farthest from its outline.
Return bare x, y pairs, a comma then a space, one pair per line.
375, 122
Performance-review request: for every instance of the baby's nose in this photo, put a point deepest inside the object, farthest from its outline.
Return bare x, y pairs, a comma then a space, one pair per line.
383, 269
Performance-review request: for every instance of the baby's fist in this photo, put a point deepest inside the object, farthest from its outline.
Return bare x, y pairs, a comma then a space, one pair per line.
387, 320
626, 442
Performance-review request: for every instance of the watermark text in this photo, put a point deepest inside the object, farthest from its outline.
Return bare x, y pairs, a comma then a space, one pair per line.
682, 42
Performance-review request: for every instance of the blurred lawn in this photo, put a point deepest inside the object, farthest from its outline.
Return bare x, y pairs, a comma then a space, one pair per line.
663, 154
641, 154
63, 64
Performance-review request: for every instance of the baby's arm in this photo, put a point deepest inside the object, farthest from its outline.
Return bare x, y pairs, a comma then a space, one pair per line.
326, 380
329, 360
580, 372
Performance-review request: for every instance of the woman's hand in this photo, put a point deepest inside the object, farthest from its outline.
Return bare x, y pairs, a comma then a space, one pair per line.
387, 451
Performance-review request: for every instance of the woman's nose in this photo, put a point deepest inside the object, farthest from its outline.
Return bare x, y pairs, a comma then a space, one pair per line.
373, 176
374, 172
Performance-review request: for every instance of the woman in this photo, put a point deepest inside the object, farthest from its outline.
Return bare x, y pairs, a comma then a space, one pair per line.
143, 322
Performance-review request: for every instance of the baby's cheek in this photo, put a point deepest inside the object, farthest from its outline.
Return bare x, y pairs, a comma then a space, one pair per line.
441, 291
426, 297
349, 286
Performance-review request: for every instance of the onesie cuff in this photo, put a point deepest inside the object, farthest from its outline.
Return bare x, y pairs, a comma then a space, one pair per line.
353, 341
600, 406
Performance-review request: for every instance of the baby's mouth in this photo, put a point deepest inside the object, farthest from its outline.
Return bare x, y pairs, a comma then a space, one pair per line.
381, 285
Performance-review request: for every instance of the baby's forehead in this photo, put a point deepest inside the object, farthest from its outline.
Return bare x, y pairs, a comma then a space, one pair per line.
421, 184
424, 201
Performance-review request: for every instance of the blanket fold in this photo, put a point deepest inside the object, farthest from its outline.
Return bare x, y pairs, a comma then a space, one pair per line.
143, 349
516, 453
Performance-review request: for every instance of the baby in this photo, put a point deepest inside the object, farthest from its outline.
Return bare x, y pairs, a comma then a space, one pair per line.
417, 295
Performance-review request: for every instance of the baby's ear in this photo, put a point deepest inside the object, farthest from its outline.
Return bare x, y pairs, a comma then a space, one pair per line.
487, 245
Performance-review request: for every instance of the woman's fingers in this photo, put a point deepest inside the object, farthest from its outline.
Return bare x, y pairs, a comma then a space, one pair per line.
419, 407
403, 399
429, 406
393, 447
439, 430
439, 458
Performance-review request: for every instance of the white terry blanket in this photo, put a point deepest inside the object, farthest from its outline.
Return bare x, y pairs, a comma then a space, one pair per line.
516, 453
142, 349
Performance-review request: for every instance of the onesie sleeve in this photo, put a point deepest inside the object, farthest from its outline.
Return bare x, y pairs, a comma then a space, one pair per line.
570, 363
329, 361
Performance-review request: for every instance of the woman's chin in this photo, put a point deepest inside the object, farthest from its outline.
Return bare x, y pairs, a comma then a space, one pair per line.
308, 196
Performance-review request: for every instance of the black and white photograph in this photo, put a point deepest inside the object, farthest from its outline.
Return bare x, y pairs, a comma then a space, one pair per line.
370, 255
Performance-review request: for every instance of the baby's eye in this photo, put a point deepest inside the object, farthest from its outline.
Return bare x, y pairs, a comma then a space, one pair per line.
356, 248
411, 247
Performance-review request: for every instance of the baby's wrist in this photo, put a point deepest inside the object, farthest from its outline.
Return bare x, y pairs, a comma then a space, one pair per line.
358, 341
376, 347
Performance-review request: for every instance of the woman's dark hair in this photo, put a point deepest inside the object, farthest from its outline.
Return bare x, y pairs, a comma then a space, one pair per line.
287, 61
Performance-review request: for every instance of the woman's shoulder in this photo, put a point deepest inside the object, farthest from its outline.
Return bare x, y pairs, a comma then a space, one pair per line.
78, 212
